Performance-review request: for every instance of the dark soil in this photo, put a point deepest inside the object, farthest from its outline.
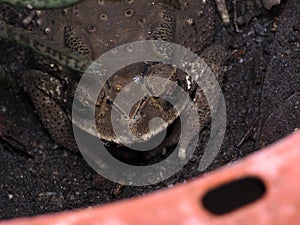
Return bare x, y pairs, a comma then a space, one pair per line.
261, 89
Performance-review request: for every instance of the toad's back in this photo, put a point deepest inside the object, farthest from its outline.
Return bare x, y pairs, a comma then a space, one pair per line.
96, 26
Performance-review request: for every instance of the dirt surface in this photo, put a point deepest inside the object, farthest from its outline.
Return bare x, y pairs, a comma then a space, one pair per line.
261, 89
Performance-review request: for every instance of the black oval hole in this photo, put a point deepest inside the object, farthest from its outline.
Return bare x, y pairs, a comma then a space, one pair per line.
233, 195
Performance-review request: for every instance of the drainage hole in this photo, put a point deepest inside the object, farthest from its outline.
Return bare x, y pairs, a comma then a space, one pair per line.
233, 195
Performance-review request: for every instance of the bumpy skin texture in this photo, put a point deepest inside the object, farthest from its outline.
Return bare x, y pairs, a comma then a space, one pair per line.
62, 56
96, 26
41, 4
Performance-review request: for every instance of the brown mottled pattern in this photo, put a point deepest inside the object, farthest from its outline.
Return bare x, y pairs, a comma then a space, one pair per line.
96, 26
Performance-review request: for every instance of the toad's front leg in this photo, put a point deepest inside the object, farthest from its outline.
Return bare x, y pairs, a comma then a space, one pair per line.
52, 100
